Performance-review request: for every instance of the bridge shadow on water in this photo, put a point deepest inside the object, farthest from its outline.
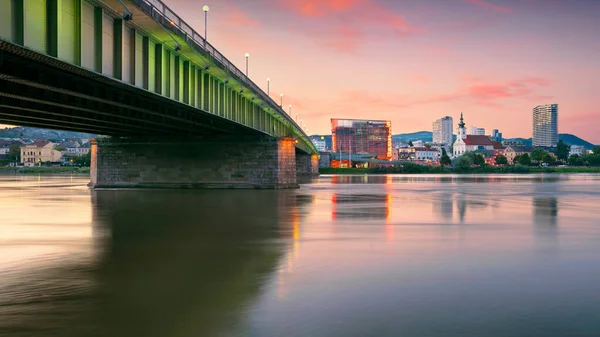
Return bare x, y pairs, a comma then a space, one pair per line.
184, 263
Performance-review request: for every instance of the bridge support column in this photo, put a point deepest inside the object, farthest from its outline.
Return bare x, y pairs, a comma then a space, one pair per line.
215, 162
307, 165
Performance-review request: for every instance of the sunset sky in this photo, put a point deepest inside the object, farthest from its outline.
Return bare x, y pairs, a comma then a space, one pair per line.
413, 61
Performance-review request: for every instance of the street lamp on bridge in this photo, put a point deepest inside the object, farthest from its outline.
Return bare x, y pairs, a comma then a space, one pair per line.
290, 110
268, 87
205, 9
281, 100
247, 57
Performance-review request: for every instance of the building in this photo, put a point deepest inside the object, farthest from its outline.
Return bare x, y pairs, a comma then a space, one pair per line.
578, 150
442, 130
511, 151
406, 153
40, 151
321, 145
468, 143
426, 154
354, 136
477, 131
545, 125
497, 135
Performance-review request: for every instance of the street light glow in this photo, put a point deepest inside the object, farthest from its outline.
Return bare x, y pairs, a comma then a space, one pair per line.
205, 8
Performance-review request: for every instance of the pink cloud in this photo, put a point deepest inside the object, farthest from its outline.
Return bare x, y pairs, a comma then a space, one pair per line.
489, 5
236, 17
419, 79
319, 8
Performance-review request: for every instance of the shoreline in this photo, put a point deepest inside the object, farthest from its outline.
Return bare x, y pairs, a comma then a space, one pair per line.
437, 170
44, 170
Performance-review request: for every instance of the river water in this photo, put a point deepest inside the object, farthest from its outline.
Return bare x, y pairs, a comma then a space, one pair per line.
341, 256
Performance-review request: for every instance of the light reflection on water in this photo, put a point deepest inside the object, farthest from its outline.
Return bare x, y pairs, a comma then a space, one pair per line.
418, 255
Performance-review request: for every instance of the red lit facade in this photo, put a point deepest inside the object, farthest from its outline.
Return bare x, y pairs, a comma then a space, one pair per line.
362, 137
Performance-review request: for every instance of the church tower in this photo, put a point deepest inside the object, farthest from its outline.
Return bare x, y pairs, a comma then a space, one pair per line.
462, 131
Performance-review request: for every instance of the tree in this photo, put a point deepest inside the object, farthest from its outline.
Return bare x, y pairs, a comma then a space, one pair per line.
462, 164
524, 159
576, 160
549, 159
14, 153
410, 143
516, 159
501, 160
537, 155
445, 160
60, 148
596, 150
593, 159
562, 150
444, 151
478, 159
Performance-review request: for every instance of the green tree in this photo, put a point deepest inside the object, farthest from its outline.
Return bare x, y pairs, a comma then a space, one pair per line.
524, 159
444, 151
576, 160
549, 159
14, 153
562, 150
501, 160
462, 164
537, 155
516, 159
596, 150
445, 160
593, 159
410, 143
478, 159
60, 148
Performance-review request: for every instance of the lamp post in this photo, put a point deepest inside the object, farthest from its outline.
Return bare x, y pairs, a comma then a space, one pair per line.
205, 9
268, 87
281, 100
290, 110
247, 57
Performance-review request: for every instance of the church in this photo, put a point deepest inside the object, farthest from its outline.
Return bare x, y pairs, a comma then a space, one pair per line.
469, 143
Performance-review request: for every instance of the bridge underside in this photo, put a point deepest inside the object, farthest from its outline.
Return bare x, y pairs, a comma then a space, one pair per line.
40, 91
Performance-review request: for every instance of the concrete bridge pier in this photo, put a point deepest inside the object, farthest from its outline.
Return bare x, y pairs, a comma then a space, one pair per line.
307, 165
211, 162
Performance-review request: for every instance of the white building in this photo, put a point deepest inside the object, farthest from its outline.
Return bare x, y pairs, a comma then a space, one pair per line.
545, 125
38, 152
477, 131
442, 130
469, 143
423, 153
578, 150
321, 145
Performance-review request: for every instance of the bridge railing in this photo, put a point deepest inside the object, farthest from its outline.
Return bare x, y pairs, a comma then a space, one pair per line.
166, 17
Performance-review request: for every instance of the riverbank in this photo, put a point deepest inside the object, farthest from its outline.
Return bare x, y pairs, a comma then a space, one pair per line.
449, 170
45, 170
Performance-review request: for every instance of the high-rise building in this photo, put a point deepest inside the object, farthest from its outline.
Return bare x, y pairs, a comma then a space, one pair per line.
497, 135
545, 125
442, 131
475, 131
355, 136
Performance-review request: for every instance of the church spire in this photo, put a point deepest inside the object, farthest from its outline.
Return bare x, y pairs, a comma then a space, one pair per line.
462, 122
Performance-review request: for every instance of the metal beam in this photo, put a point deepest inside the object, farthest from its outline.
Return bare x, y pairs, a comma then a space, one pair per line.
158, 66
118, 49
52, 27
18, 17
145, 62
98, 13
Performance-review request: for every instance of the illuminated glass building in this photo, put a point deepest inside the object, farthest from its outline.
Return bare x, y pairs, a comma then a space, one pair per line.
545, 125
355, 136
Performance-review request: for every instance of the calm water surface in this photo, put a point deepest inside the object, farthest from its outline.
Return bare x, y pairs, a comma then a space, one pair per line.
341, 256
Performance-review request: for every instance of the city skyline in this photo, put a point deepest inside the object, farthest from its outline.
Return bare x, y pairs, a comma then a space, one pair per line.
411, 62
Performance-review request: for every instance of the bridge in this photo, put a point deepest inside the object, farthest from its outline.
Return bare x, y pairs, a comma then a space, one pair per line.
178, 112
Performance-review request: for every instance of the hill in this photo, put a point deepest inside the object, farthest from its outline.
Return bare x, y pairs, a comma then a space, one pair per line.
567, 138
43, 134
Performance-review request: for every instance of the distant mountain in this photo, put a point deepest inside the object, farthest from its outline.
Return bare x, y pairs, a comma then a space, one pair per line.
425, 136
42, 134
567, 138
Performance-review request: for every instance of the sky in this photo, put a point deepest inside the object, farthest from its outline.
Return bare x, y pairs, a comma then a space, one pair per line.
414, 61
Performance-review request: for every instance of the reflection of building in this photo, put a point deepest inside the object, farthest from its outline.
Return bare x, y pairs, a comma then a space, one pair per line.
443, 206
545, 211
545, 125
362, 136
40, 151
442, 131
361, 206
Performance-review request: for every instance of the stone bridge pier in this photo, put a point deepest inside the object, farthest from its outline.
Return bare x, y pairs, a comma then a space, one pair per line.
212, 162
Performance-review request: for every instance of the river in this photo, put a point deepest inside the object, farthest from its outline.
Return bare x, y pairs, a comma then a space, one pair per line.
418, 256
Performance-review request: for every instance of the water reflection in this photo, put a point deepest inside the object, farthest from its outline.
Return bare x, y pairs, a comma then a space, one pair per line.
361, 206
